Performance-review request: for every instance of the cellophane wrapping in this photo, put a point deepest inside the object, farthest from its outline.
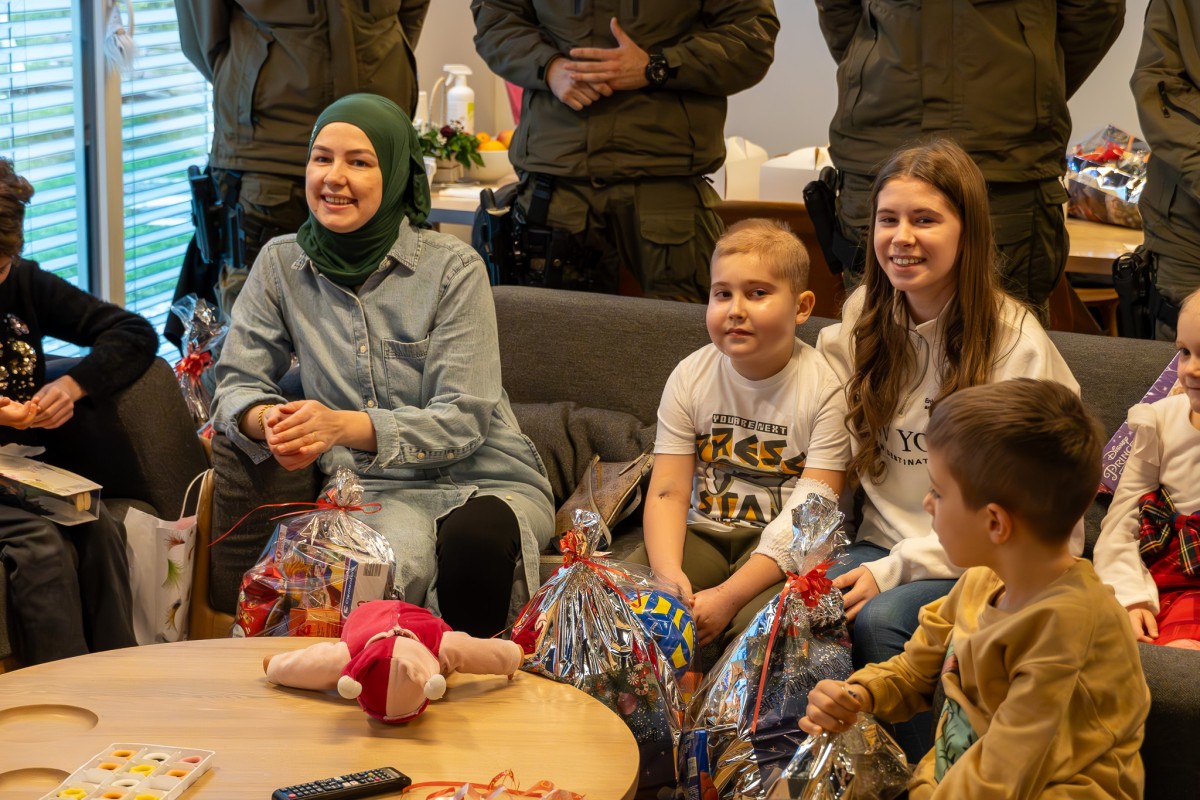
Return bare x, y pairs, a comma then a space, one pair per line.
743, 723
863, 763
204, 329
316, 568
1105, 176
582, 628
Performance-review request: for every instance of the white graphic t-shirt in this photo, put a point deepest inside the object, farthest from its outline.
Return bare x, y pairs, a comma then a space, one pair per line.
751, 439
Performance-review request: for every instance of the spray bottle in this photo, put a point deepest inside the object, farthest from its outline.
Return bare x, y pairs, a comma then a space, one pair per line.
460, 98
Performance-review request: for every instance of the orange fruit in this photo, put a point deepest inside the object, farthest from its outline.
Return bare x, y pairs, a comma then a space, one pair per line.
483, 137
492, 144
505, 137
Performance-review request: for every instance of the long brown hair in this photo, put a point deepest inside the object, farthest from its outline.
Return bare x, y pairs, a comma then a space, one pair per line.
884, 359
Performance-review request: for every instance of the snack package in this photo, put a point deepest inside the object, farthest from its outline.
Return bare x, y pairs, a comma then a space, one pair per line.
204, 329
743, 722
1105, 176
585, 627
317, 567
863, 763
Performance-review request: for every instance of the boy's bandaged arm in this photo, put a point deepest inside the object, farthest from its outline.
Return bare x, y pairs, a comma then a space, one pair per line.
776, 540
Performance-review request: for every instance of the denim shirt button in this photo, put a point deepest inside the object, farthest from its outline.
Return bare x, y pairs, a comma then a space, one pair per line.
370, 404
362, 348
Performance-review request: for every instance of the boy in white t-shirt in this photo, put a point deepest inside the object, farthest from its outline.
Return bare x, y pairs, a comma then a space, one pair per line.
746, 424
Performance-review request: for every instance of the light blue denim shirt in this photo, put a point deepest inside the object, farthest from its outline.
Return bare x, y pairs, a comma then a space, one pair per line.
416, 349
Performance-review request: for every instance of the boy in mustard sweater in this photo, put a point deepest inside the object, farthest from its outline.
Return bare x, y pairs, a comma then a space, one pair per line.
1028, 664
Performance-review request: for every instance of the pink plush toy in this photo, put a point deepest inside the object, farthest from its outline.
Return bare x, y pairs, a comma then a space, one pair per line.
393, 658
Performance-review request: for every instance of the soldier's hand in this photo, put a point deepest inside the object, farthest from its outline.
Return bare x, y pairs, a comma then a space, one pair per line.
622, 67
574, 91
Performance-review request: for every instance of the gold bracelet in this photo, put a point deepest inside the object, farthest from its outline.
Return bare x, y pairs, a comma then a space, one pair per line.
262, 424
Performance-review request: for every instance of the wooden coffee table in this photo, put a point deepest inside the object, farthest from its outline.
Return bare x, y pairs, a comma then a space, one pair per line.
212, 695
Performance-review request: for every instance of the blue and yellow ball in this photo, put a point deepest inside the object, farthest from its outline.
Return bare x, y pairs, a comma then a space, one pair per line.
670, 623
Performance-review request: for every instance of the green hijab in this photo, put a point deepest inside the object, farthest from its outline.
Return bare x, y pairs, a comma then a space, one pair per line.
348, 258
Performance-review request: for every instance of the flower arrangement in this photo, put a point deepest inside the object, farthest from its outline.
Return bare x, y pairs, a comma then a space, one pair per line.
451, 143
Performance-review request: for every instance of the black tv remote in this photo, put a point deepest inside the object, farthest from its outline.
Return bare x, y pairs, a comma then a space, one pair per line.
357, 784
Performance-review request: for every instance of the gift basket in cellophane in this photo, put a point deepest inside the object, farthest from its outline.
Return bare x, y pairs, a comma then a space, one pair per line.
862, 763
1105, 176
612, 630
742, 726
316, 568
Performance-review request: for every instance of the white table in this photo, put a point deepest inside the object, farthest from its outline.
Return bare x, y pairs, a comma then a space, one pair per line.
458, 205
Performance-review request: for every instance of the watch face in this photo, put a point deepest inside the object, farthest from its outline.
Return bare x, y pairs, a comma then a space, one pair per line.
656, 70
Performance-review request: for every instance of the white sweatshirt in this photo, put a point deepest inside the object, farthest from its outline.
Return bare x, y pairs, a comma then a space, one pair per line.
893, 516
1164, 451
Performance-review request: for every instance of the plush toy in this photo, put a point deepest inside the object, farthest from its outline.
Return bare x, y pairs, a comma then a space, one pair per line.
393, 658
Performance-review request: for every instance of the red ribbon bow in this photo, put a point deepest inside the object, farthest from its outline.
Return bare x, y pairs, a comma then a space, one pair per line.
812, 585
571, 543
193, 364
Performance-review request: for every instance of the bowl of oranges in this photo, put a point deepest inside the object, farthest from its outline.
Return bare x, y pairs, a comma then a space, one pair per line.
494, 152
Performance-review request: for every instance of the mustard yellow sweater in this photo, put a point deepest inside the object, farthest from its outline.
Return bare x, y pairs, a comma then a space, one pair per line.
1044, 702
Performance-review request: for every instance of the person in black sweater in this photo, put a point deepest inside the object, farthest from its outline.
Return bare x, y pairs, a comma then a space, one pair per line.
68, 585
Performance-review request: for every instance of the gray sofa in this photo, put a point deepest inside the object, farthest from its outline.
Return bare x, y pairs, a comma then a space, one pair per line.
141, 447
584, 373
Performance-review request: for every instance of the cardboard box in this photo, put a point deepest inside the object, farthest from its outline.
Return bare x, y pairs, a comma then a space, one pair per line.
59, 495
738, 178
783, 179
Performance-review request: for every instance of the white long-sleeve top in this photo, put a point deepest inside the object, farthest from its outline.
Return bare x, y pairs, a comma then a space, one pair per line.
1164, 451
893, 515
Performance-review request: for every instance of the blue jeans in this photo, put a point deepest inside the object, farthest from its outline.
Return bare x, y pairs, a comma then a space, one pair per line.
883, 625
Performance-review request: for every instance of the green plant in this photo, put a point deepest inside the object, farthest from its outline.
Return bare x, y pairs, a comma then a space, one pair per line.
451, 143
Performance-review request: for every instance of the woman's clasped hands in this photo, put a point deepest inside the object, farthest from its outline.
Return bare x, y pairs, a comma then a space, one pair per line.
297, 433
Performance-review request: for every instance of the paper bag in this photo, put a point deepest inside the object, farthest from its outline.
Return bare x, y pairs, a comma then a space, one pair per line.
161, 556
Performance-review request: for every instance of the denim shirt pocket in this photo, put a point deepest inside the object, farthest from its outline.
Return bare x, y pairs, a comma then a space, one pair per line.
404, 368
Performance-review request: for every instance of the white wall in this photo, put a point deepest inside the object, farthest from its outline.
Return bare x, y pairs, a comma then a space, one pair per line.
792, 106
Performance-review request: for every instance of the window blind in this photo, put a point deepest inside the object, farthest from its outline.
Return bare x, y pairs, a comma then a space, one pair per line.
166, 113
37, 129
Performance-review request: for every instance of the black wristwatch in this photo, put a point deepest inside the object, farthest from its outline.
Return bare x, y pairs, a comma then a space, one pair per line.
657, 70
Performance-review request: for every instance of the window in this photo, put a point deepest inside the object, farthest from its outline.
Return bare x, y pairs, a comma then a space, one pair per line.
40, 131
164, 107
166, 112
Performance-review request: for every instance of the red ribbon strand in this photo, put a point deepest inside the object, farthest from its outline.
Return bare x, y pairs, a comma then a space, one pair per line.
809, 587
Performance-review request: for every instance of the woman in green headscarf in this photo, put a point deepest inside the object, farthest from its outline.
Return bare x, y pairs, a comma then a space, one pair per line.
395, 333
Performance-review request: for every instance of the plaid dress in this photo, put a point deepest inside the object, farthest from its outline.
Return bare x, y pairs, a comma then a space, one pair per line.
1169, 543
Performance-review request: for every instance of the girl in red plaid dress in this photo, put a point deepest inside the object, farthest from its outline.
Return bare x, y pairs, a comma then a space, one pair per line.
1149, 546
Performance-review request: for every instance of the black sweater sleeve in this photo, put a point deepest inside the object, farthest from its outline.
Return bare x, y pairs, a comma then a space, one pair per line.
123, 343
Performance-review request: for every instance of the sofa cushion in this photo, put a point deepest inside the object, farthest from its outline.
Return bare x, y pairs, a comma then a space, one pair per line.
567, 435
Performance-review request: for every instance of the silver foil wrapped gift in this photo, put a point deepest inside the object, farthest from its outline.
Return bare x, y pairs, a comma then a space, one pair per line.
863, 763
1105, 176
204, 329
743, 723
587, 627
